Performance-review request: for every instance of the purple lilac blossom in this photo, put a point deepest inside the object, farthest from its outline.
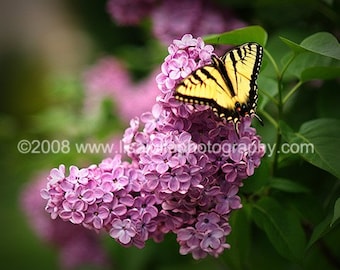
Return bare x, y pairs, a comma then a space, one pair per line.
109, 78
183, 176
171, 19
129, 12
77, 246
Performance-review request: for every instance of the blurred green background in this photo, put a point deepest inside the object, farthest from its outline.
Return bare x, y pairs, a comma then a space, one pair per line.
45, 47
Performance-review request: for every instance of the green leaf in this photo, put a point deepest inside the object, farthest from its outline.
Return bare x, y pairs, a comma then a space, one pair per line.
319, 231
318, 142
321, 43
326, 225
294, 46
281, 226
336, 214
268, 89
259, 180
306, 61
329, 2
287, 185
242, 35
239, 239
322, 73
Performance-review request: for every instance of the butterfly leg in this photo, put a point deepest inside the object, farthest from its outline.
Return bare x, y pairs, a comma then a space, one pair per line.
236, 126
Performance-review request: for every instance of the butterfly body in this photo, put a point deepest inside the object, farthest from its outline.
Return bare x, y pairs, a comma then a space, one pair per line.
227, 85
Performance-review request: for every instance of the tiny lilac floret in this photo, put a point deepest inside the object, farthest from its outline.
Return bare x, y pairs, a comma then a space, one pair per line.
57, 175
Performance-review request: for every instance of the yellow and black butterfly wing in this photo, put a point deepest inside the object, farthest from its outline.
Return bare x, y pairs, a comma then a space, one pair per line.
205, 86
242, 65
228, 85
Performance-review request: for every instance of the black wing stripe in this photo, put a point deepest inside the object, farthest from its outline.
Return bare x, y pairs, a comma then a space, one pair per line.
197, 77
217, 63
234, 61
256, 67
209, 76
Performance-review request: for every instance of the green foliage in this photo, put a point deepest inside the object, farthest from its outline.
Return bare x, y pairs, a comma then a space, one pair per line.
287, 185
291, 206
239, 36
316, 142
321, 136
238, 257
320, 43
336, 215
281, 226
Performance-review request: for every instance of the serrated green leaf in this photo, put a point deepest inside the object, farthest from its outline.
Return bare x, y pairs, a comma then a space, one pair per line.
322, 73
287, 185
336, 214
242, 35
319, 143
281, 226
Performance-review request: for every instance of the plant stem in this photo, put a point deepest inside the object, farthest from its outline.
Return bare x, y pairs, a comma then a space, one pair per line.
271, 59
278, 134
286, 66
292, 91
276, 152
269, 96
280, 104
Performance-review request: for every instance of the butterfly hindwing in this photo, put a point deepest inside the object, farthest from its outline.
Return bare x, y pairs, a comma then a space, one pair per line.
227, 85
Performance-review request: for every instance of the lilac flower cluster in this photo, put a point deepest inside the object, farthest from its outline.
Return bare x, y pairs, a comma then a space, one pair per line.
76, 246
172, 19
171, 184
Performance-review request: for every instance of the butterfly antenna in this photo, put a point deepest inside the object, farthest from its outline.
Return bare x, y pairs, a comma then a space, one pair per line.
259, 119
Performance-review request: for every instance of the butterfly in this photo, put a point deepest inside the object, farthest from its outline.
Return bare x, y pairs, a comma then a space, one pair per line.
227, 85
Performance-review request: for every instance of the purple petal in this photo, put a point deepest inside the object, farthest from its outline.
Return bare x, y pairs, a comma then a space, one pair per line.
173, 184
77, 217
147, 117
162, 168
107, 197
184, 177
98, 223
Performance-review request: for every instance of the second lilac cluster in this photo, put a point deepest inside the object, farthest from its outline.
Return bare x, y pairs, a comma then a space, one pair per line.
184, 171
